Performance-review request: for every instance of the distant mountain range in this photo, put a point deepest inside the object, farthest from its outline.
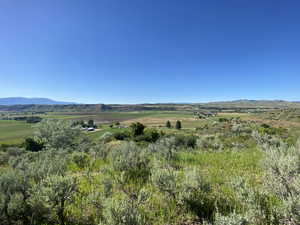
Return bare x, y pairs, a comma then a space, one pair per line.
245, 103
31, 101
47, 105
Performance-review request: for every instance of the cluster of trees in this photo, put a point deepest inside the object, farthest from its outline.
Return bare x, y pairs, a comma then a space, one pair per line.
139, 133
177, 125
89, 124
28, 119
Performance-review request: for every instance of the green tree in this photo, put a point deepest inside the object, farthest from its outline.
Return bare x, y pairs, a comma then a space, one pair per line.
151, 135
79, 123
91, 123
178, 125
31, 145
137, 129
168, 124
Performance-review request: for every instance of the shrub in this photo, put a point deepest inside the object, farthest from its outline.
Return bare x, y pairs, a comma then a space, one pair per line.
4, 157
264, 125
121, 135
57, 134
15, 189
165, 148
195, 194
81, 159
231, 219
79, 123
267, 141
107, 137
131, 160
100, 151
8, 188
57, 192
222, 120
137, 129
166, 181
187, 141
151, 135
283, 179
15, 151
33, 146
210, 142
122, 212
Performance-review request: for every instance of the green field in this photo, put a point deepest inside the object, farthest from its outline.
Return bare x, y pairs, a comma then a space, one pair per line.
14, 132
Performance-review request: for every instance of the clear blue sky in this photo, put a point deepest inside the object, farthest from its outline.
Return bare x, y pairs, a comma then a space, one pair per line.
135, 51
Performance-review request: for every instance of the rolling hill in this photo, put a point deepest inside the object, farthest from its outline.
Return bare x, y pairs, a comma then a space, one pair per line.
31, 101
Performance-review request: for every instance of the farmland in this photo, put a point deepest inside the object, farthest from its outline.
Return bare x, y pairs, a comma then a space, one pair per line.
14, 132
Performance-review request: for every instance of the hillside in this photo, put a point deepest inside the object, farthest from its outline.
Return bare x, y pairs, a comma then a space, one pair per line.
239, 105
55, 108
271, 104
31, 101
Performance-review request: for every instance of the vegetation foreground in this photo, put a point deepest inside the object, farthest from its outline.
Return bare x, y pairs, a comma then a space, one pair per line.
227, 172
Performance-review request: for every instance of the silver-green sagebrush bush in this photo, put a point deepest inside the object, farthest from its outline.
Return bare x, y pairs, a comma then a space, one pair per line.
232, 219
20, 187
57, 192
8, 188
192, 184
282, 165
37, 166
57, 134
210, 142
100, 150
131, 160
81, 159
106, 137
123, 211
282, 177
166, 180
266, 141
196, 195
164, 149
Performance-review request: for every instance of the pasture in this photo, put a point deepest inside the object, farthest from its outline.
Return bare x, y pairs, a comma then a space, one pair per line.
14, 132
